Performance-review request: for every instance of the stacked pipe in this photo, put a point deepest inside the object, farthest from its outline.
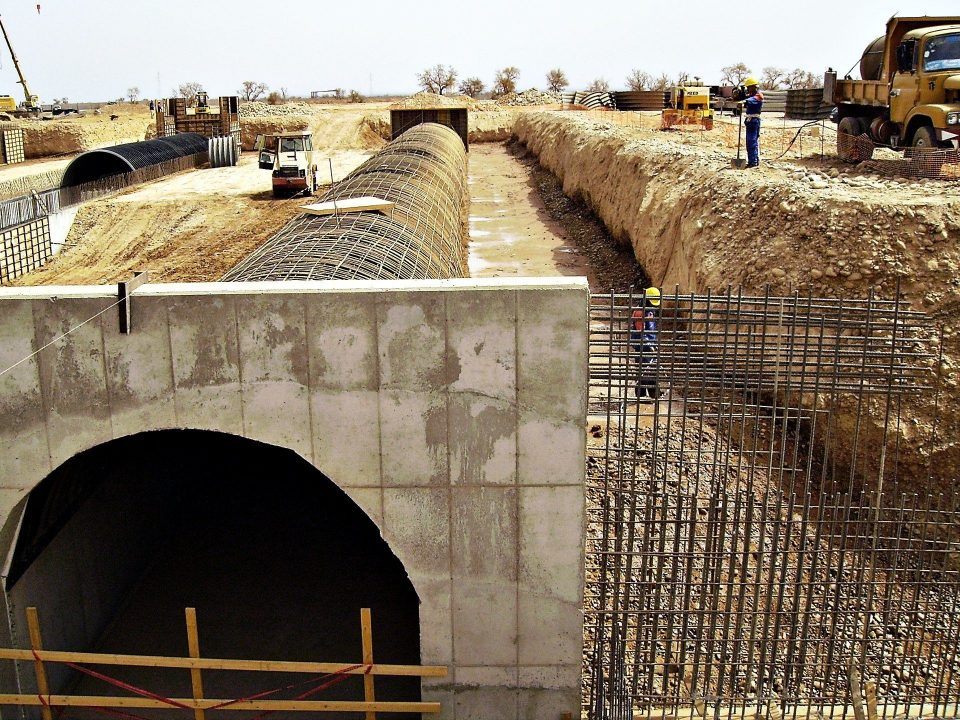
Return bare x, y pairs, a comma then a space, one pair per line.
424, 173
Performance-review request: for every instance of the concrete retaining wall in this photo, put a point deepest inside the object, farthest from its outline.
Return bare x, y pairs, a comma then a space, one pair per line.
451, 411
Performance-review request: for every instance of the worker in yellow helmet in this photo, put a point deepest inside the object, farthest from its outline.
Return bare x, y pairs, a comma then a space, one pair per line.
643, 339
752, 106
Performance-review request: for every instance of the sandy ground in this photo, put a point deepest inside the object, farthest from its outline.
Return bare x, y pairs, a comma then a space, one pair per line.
32, 167
511, 232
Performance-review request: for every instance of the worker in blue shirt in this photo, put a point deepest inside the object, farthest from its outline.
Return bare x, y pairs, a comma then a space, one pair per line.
643, 338
752, 105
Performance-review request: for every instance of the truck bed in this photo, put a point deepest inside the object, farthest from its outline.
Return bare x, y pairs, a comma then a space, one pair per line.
862, 92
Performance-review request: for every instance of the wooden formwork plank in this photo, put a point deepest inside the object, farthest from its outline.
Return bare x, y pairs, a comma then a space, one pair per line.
107, 701
366, 635
36, 644
85, 658
193, 648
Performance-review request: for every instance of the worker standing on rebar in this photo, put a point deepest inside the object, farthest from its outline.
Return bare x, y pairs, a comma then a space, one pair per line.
753, 104
643, 338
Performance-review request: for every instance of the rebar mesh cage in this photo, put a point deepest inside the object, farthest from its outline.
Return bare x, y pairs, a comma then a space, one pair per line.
752, 549
424, 173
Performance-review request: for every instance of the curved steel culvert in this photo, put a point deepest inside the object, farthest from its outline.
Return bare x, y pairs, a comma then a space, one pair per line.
105, 162
424, 172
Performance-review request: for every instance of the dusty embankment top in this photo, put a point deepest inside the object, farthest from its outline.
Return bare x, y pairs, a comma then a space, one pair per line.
795, 225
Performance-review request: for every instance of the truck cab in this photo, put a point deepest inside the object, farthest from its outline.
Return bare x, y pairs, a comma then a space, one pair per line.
910, 92
289, 157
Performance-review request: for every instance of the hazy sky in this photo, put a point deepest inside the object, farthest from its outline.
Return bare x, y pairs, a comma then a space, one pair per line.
96, 49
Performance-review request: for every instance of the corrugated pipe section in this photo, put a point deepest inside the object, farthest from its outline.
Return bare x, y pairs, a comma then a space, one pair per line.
424, 172
97, 164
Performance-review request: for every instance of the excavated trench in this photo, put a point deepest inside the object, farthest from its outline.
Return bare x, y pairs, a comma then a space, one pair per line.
695, 222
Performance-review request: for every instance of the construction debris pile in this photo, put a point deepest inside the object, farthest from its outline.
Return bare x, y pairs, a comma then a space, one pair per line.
262, 109
529, 97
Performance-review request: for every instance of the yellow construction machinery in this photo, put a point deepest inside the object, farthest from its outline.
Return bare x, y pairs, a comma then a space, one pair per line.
31, 103
689, 105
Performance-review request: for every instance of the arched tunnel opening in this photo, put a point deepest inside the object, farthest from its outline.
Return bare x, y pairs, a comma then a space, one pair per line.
94, 165
277, 560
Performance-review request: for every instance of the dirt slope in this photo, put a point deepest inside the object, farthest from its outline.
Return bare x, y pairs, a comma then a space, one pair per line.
693, 220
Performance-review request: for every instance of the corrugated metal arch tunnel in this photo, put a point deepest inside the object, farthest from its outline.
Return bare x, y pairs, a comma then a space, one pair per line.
96, 164
424, 172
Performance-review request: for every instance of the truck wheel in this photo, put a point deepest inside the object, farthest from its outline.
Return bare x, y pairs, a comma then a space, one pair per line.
927, 162
850, 147
925, 137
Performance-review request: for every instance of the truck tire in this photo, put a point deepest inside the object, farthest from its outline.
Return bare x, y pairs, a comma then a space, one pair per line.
849, 149
925, 137
926, 160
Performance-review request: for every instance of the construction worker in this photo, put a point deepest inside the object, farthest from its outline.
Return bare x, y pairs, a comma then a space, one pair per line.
643, 339
753, 104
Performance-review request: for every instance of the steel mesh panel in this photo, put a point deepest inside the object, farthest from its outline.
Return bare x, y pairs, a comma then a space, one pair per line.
424, 173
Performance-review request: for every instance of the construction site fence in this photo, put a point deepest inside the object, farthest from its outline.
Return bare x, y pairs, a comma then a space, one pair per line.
27, 208
910, 163
754, 548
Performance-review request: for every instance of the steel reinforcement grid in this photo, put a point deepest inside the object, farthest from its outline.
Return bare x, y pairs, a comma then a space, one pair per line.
752, 550
424, 174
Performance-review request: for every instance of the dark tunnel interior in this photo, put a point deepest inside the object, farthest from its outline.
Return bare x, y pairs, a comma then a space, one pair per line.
276, 559
92, 166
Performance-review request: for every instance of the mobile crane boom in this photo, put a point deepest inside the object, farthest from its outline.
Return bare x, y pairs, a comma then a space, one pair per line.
32, 101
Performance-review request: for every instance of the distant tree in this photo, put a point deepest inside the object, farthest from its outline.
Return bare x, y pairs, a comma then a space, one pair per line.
189, 90
771, 77
355, 97
274, 98
437, 78
663, 82
472, 86
599, 85
683, 77
133, 94
284, 95
557, 80
505, 81
338, 94
250, 90
799, 79
638, 80
734, 74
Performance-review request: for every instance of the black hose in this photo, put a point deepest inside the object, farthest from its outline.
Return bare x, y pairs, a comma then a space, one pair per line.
800, 130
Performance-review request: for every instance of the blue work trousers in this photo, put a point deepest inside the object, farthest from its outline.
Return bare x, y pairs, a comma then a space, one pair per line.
753, 141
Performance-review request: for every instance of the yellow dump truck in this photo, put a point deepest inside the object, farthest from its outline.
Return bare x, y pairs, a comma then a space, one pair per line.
910, 92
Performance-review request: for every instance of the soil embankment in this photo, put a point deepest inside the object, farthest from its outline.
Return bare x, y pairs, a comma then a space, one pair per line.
694, 221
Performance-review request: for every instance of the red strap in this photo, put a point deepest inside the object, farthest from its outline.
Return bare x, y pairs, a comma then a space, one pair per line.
338, 677
120, 713
267, 693
331, 680
127, 686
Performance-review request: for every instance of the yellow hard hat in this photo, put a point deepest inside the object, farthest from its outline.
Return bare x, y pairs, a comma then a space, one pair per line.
652, 296
751, 81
